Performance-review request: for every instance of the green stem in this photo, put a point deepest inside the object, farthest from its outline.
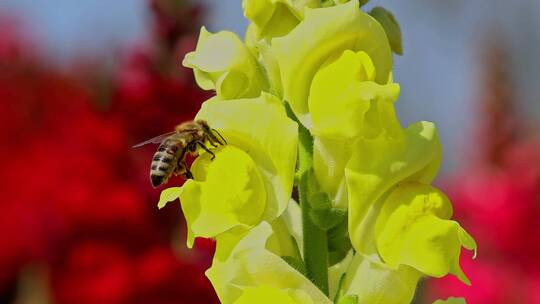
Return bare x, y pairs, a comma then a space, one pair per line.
315, 239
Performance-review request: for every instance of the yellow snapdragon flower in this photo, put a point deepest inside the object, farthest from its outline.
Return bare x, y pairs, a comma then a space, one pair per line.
307, 99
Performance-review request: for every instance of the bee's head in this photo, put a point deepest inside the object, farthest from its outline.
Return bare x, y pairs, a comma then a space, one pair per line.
204, 125
211, 133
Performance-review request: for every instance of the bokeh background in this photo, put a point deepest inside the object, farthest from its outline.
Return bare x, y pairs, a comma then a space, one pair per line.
82, 81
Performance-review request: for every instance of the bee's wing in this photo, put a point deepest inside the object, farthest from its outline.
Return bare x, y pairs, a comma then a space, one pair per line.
155, 140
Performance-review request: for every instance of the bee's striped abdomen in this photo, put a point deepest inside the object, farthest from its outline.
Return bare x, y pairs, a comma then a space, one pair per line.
163, 163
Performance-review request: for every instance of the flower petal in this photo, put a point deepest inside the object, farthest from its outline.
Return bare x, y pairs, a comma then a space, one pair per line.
223, 63
250, 265
375, 283
379, 164
265, 295
366, 109
275, 18
261, 128
413, 229
168, 195
322, 37
230, 193
345, 89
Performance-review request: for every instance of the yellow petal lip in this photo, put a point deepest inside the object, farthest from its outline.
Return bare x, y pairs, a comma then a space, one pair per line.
260, 127
323, 35
345, 89
379, 164
229, 193
414, 229
244, 257
222, 62
264, 295
385, 285
250, 179
275, 18
168, 195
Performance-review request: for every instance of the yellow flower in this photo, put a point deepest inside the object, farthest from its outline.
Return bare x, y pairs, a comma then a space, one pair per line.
346, 89
274, 18
413, 228
245, 270
251, 178
372, 281
223, 63
270, 295
332, 64
321, 38
379, 164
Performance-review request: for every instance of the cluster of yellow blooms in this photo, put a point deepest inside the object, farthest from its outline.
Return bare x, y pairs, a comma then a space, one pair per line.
307, 99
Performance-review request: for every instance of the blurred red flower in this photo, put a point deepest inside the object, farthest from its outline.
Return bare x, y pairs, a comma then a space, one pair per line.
497, 198
75, 196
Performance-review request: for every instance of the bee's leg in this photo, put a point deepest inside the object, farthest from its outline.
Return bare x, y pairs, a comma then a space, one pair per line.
206, 149
182, 169
188, 174
212, 141
216, 132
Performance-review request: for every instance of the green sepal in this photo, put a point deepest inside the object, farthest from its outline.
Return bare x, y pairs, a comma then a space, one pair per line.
391, 27
339, 231
350, 299
335, 257
296, 263
339, 243
326, 219
322, 214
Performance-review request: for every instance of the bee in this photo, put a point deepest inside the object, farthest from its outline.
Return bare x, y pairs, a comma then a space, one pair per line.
175, 146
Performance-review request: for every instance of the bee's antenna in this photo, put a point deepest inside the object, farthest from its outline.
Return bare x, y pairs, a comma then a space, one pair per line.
215, 131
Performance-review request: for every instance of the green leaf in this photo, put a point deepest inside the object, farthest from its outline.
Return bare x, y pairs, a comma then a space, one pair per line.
391, 27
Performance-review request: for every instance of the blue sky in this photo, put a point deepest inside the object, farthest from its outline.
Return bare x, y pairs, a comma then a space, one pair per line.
438, 74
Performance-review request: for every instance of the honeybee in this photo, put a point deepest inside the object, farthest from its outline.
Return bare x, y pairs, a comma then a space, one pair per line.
175, 146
